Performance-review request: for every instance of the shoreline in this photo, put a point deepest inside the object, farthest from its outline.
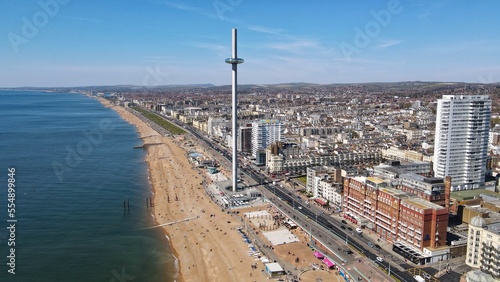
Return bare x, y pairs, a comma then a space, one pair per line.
178, 275
202, 237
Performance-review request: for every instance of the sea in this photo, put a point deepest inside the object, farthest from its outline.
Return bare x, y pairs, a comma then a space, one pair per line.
77, 206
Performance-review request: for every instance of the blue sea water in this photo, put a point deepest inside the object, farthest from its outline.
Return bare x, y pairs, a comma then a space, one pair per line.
75, 165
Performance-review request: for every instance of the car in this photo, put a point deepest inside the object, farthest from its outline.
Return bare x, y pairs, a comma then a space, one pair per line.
378, 246
359, 230
347, 251
342, 226
300, 207
380, 259
344, 222
349, 228
370, 244
426, 276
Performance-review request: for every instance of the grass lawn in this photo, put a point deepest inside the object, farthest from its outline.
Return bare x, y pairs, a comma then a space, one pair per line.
172, 128
302, 179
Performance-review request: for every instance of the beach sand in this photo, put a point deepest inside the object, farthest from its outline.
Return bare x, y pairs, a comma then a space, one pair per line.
207, 245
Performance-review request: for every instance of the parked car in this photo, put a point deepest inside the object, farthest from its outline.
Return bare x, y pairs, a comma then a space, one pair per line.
426, 276
380, 259
344, 222
342, 226
370, 244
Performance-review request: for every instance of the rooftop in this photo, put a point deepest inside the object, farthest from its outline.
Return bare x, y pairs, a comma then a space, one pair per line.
494, 228
422, 178
422, 204
397, 193
375, 180
471, 194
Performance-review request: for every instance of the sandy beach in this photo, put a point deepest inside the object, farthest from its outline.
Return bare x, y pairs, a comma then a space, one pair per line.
205, 239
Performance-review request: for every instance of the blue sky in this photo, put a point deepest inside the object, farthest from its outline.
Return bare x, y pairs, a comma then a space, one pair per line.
152, 42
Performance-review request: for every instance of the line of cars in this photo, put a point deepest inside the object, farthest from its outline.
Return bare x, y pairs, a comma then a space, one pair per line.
360, 232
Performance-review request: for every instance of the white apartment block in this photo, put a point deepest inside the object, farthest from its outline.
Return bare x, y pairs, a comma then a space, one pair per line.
461, 140
266, 132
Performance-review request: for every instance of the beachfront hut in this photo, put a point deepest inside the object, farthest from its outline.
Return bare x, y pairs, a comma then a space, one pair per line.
328, 262
274, 270
318, 255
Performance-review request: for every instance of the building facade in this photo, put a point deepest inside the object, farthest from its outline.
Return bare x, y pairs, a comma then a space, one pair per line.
416, 225
461, 140
245, 139
266, 132
483, 246
433, 189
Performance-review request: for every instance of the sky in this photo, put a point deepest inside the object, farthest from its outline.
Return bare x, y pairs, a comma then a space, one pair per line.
66, 43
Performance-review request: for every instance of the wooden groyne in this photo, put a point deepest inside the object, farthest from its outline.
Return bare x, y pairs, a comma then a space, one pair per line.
170, 223
146, 145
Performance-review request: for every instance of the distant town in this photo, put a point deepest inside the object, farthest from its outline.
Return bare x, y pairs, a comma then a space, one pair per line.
415, 163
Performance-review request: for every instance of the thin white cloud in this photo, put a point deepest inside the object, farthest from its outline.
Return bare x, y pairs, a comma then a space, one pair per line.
267, 30
188, 8
365, 61
87, 68
387, 43
474, 46
428, 10
159, 58
93, 20
294, 46
218, 49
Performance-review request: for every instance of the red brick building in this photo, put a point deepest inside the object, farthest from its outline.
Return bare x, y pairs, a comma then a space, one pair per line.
395, 215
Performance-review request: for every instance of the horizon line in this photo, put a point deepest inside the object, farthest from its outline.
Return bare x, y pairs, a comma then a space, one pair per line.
262, 84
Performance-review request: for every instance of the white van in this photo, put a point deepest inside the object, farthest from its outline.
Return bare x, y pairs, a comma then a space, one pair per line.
419, 278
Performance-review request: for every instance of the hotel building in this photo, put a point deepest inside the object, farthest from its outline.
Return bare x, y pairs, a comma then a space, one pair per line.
416, 227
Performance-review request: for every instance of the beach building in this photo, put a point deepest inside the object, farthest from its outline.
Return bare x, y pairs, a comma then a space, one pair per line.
461, 140
274, 270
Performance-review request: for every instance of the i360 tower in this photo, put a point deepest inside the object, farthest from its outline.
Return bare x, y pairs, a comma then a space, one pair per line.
234, 61
461, 140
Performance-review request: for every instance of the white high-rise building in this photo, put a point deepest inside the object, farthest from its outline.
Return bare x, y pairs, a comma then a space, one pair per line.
461, 141
265, 132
